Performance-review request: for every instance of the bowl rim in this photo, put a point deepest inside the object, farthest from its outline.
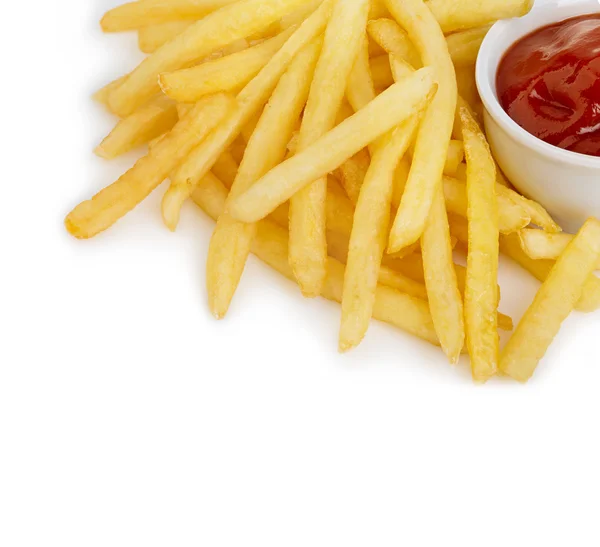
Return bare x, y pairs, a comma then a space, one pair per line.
542, 14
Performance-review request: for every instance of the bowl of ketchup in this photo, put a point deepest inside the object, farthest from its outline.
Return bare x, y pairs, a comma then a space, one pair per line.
539, 80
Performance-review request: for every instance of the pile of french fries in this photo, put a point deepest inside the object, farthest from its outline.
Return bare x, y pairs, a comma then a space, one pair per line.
340, 142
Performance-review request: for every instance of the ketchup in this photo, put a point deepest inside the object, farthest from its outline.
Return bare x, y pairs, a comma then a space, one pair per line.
549, 83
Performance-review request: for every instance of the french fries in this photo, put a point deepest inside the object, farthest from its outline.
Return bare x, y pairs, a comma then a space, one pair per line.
346, 132
344, 35
455, 15
144, 125
270, 245
143, 13
436, 128
219, 28
229, 73
392, 107
481, 296
249, 101
152, 37
105, 208
541, 245
554, 302
231, 240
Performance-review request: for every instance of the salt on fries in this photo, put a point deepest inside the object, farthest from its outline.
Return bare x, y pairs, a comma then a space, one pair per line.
339, 142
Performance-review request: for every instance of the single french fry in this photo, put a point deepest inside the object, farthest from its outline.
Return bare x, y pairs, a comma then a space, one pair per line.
369, 233
541, 245
271, 246
105, 208
464, 46
445, 301
392, 39
510, 245
219, 28
389, 109
145, 124
381, 72
101, 96
433, 138
228, 73
481, 297
455, 15
555, 300
344, 36
361, 90
142, 13
250, 100
230, 244
152, 37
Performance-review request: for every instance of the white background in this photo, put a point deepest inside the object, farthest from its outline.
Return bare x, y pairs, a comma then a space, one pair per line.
128, 416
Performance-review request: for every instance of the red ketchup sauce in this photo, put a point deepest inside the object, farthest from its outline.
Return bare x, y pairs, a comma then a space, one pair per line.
549, 83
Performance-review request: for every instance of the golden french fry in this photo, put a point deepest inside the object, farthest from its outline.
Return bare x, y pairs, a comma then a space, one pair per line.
381, 72
271, 246
541, 245
392, 107
433, 138
510, 245
152, 37
481, 296
145, 124
250, 100
308, 233
392, 39
457, 15
230, 244
369, 233
219, 28
464, 46
101, 96
555, 300
228, 73
143, 13
445, 301
105, 208
361, 90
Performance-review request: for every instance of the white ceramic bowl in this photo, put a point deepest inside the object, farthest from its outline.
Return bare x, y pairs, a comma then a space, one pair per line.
566, 183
